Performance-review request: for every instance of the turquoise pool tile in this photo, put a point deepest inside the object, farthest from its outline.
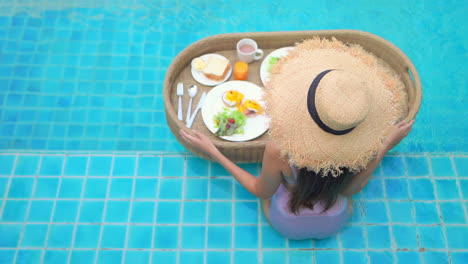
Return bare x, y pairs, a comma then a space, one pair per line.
117, 211
148, 166
192, 257
96, 188
28, 256
60, 236
56, 256
405, 237
242, 193
220, 212
417, 166
70, 188
124, 166
139, 236
40, 211
197, 167
246, 257
196, 189
3, 185
169, 257
452, 212
215, 257
461, 165
393, 166
193, 237
10, 235
271, 238
168, 213
327, 243
46, 187
145, 188
166, 237
327, 257
194, 212
51, 166
121, 188
170, 189
396, 188
300, 257
447, 189
375, 212
431, 237
378, 237
433, 257
7, 162
246, 212
401, 212
173, 166
456, 237
87, 236
421, 189
142, 212
353, 237
34, 236
14, 211
221, 189
274, 257
91, 211
246, 237
349, 257
459, 257
113, 236
26, 165
442, 167
137, 257
373, 189
219, 237
381, 257
302, 244
463, 188
109, 256
66, 211
426, 213
408, 257
99, 166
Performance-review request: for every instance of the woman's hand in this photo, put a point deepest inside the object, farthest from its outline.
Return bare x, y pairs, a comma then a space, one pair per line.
199, 141
398, 132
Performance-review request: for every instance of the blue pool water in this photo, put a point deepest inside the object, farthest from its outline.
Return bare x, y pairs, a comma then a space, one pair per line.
90, 172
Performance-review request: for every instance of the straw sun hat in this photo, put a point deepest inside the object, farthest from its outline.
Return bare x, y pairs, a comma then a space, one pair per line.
332, 105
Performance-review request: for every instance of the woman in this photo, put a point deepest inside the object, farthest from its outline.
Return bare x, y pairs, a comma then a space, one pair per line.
331, 109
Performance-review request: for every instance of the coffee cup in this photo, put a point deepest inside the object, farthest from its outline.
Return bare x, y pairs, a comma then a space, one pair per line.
248, 51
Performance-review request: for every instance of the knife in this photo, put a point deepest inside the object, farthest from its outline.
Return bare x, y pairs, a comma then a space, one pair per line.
194, 114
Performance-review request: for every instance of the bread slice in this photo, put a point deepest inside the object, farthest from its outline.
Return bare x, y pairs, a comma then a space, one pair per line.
216, 69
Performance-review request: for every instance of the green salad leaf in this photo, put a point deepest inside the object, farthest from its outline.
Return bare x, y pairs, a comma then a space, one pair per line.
271, 62
229, 122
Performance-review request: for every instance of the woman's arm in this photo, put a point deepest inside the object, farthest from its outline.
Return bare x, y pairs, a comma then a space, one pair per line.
360, 180
263, 187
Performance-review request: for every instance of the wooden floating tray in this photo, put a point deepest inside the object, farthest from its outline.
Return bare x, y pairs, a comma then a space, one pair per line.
225, 44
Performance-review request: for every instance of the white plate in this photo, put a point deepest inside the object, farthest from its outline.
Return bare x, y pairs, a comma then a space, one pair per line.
201, 78
254, 126
264, 74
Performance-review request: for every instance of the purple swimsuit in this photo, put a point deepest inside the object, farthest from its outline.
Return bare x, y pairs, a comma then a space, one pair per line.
309, 223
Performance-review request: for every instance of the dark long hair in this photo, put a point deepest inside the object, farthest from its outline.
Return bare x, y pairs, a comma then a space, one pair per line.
312, 188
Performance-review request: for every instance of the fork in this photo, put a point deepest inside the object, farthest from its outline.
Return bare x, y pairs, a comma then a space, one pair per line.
180, 92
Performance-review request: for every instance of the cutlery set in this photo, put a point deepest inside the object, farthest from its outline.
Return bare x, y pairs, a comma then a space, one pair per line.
192, 92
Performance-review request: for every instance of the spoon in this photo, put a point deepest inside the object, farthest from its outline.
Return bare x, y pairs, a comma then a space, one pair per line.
192, 91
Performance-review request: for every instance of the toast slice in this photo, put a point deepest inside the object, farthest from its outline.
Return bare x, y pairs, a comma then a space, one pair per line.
216, 69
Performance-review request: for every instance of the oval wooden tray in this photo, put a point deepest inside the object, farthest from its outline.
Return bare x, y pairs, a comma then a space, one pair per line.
225, 44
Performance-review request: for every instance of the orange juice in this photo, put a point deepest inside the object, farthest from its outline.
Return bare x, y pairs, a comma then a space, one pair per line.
241, 70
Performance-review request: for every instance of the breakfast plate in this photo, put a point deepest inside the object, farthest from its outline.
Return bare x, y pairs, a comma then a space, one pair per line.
264, 72
201, 78
254, 126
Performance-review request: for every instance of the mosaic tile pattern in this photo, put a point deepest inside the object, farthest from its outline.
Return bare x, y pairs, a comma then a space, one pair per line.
142, 209
87, 75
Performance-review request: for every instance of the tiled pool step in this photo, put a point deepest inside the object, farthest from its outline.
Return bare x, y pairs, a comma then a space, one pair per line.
177, 208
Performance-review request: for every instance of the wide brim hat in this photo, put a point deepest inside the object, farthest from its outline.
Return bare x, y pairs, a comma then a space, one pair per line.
332, 105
